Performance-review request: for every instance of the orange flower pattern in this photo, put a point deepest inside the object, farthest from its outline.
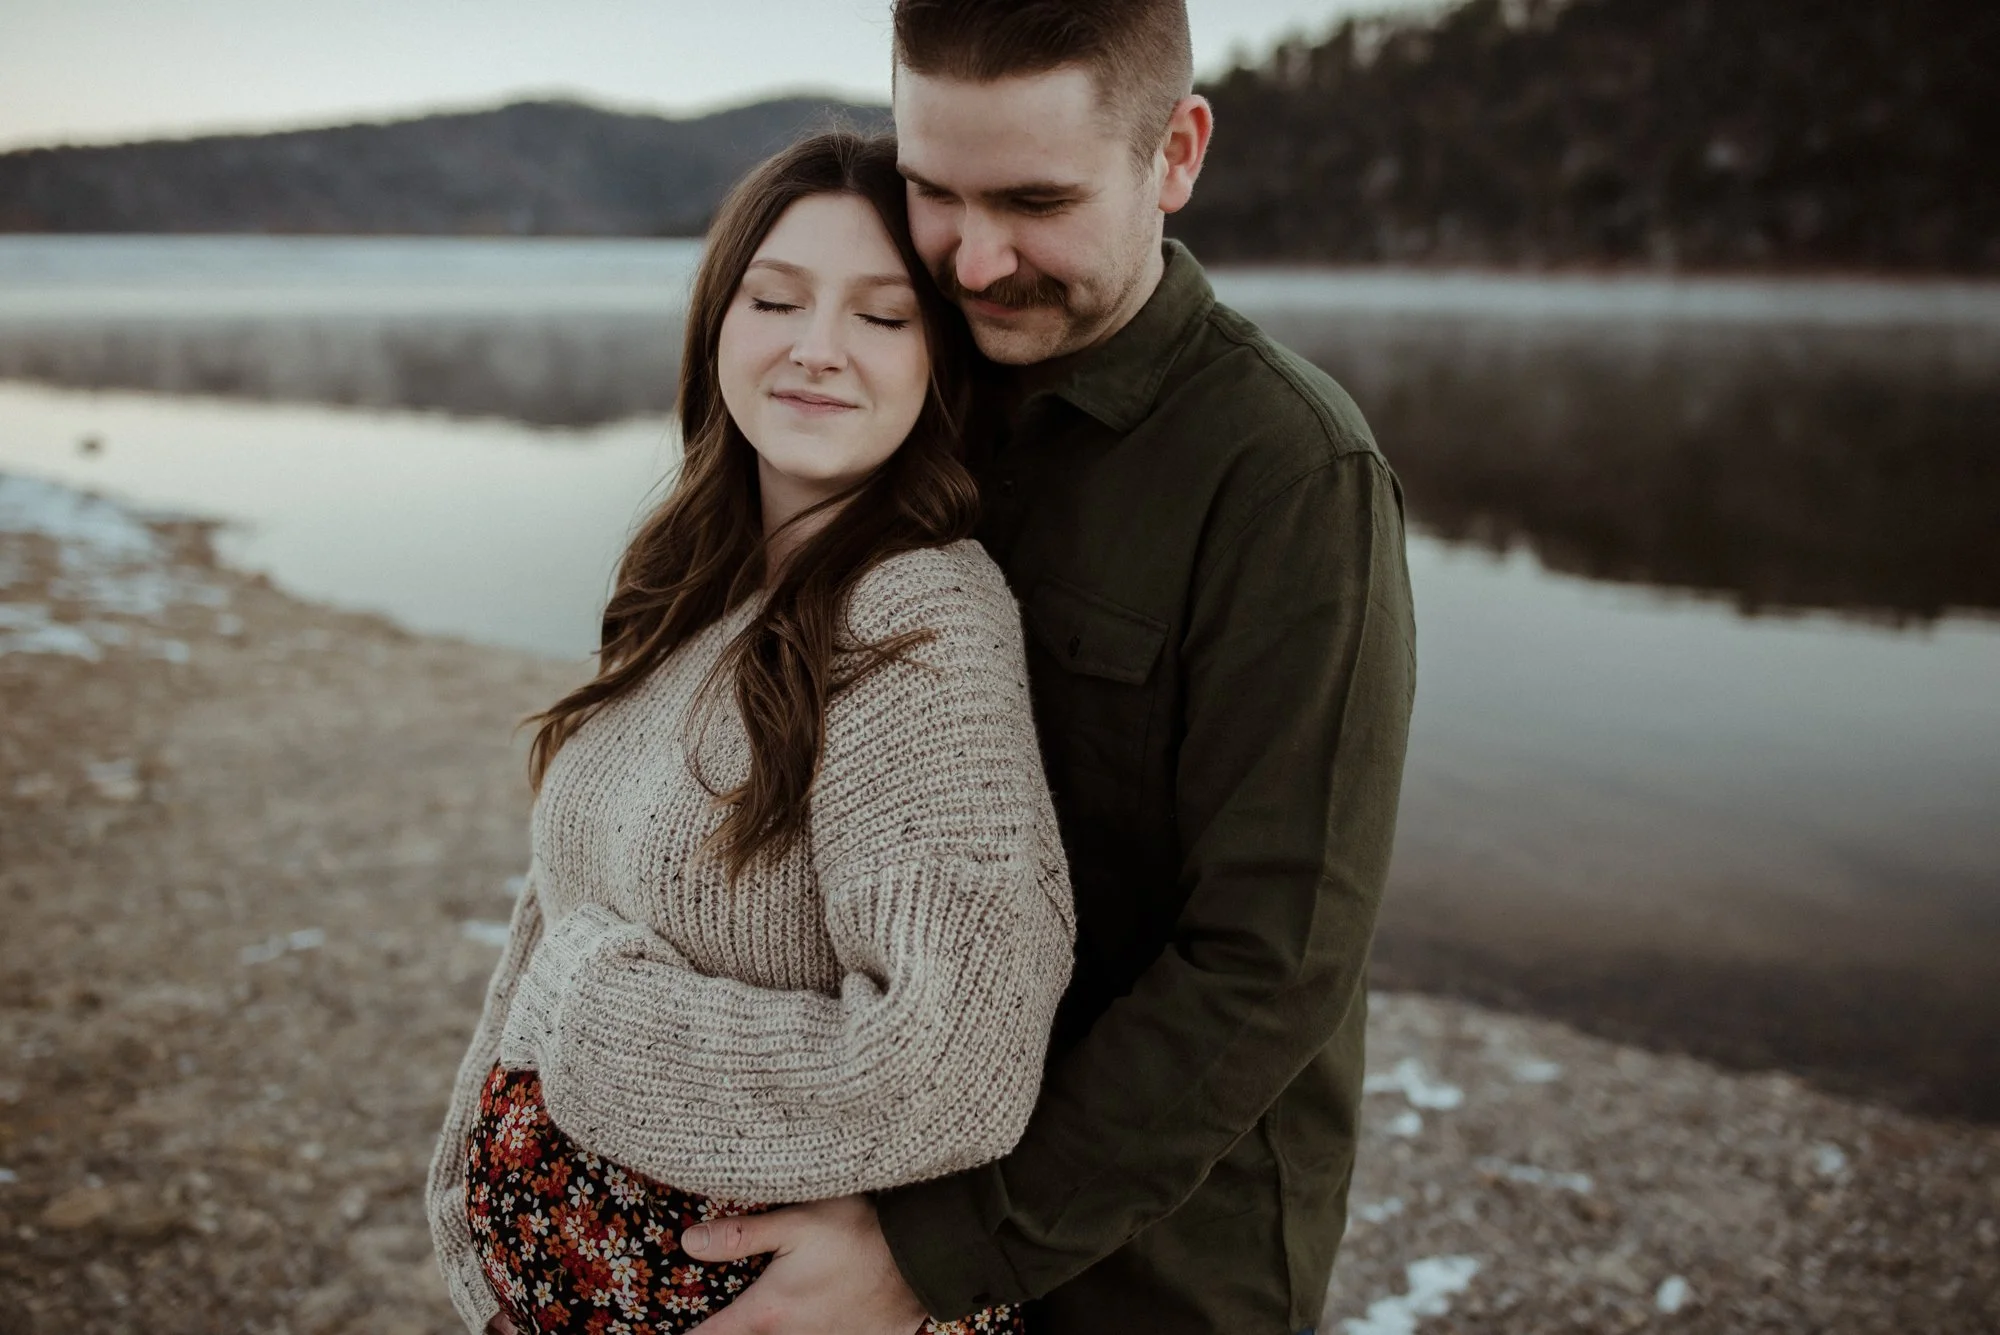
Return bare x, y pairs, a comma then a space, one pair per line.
576, 1245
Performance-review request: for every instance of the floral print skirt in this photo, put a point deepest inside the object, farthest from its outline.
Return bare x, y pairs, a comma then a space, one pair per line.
573, 1244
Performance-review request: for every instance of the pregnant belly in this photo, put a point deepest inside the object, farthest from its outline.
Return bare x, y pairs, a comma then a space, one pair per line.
565, 1236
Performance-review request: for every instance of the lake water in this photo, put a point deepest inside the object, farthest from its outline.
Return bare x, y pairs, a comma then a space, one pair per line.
1707, 747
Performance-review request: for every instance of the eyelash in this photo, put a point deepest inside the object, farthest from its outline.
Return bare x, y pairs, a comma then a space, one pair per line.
880, 322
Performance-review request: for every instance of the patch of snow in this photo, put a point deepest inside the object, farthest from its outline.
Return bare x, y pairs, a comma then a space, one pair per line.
485, 933
1580, 1183
514, 886
1406, 1123
1535, 1071
307, 938
8, 1177
1829, 1160
114, 780
173, 651
1433, 1281
32, 786
110, 561
1409, 1080
1375, 1212
82, 523
25, 628
1673, 1295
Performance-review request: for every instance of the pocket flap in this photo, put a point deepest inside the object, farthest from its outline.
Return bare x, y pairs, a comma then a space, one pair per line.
1092, 634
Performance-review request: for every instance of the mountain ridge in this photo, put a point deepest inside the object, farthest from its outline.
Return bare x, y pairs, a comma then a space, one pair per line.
535, 168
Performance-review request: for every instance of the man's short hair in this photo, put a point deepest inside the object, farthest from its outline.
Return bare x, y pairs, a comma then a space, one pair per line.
1137, 51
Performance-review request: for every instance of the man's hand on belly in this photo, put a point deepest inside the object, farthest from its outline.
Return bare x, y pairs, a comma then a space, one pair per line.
831, 1272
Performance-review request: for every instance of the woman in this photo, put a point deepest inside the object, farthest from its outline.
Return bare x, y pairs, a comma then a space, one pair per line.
797, 917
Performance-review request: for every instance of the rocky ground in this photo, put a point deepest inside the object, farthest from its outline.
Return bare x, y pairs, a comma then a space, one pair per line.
252, 855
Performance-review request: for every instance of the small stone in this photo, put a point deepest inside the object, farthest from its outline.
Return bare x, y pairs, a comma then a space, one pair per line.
146, 1221
323, 1309
79, 1207
1535, 1071
1404, 1124
1617, 1270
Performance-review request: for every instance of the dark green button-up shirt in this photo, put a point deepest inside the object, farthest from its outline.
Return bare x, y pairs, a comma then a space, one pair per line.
1208, 550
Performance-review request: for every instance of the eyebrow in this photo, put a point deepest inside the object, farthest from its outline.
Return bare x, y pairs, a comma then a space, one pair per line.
864, 280
1023, 190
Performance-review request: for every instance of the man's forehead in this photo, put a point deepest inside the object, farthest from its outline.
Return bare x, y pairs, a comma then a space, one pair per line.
1002, 134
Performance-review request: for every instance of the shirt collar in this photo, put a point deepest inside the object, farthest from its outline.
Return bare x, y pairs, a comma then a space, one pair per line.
1118, 381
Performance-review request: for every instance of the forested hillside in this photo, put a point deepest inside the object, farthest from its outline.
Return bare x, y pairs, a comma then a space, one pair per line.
534, 168
1667, 133
1705, 133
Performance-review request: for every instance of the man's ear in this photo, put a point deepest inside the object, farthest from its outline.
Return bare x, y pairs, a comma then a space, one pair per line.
1186, 145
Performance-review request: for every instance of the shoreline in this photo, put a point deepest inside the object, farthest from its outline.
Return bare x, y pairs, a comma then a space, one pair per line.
256, 877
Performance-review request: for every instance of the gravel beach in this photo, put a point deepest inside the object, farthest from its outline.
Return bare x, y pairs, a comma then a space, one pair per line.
254, 856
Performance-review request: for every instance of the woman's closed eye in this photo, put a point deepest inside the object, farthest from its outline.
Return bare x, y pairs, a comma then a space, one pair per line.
786, 307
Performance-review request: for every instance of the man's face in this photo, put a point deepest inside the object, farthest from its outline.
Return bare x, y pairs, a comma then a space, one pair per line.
1027, 206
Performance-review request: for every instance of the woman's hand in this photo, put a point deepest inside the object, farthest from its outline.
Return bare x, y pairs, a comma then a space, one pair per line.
502, 1324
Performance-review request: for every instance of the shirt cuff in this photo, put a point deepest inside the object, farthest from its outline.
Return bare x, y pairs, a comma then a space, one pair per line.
528, 1036
945, 1249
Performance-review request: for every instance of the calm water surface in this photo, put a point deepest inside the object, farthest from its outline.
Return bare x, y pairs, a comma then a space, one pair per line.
1707, 749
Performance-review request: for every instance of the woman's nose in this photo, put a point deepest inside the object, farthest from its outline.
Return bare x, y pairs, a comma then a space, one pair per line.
820, 348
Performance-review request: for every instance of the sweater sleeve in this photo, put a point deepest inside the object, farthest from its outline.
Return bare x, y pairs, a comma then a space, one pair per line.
444, 1194
947, 901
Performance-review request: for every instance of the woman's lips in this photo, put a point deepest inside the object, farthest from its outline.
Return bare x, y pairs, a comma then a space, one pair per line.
801, 401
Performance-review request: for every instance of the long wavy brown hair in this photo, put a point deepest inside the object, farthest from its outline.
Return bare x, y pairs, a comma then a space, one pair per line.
701, 551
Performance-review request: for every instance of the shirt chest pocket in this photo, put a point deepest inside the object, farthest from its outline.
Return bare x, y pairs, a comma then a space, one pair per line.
1096, 670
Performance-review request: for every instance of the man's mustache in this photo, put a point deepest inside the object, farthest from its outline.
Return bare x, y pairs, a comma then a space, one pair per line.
1015, 291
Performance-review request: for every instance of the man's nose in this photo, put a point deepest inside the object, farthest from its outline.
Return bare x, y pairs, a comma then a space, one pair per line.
985, 254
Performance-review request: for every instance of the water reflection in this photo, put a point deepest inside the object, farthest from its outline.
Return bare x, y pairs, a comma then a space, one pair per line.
1780, 466
545, 369
1801, 446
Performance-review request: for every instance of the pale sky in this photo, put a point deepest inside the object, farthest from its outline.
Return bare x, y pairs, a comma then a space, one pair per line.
93, 71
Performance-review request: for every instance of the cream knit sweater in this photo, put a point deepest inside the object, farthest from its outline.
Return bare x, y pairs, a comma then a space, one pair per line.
869, 1010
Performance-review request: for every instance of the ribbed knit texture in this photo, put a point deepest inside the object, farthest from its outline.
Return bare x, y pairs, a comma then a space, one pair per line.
869, 1009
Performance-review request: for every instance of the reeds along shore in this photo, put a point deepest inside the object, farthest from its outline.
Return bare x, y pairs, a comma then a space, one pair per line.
254, 853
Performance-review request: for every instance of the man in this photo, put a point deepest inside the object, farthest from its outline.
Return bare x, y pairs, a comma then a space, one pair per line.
1209, 554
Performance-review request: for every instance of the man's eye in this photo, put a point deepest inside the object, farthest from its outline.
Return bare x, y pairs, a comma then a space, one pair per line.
1039, 208
759, 304
933, 192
